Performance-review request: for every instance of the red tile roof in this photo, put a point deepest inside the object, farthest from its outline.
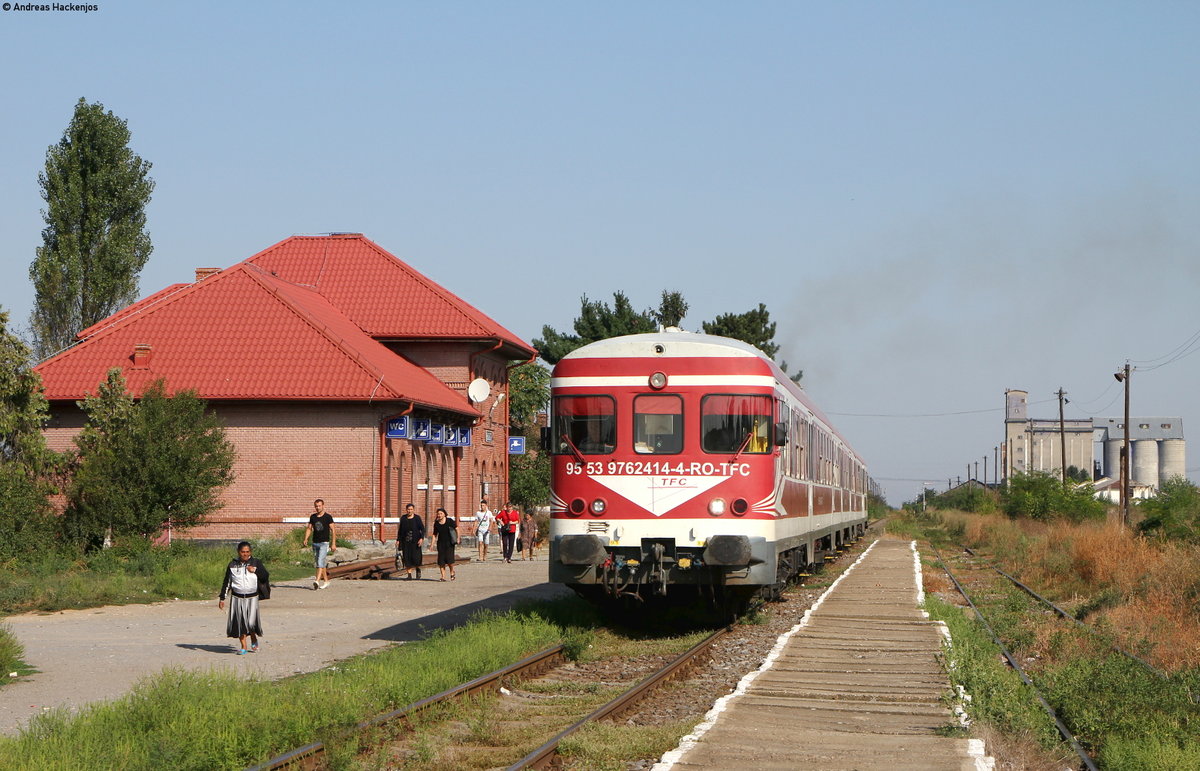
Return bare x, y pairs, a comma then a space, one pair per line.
386, 297
254, 331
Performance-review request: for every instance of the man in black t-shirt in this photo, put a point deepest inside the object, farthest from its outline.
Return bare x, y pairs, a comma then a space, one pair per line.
324, 540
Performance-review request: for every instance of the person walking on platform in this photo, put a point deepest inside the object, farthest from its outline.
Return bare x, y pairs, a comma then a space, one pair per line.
246, 581
529, 534
410, 537
445, 538
506, 521
483, 529
324, 540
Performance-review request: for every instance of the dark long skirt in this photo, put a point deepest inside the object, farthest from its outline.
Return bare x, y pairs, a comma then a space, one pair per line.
243, 617
445, 549
410, 554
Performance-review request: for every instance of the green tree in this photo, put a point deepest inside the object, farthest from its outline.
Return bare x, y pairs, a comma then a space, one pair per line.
528, 474
529, 479
1043, 496
528, 394
596, 321
754, 327
95, 242
146, 463
1174, 513
671, 309
27, 466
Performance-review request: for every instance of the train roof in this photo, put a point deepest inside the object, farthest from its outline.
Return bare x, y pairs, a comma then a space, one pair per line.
678, 343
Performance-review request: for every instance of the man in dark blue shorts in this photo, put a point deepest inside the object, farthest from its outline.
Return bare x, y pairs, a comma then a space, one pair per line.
324, 540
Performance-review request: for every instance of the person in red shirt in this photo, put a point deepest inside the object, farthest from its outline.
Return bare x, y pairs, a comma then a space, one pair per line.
507, 521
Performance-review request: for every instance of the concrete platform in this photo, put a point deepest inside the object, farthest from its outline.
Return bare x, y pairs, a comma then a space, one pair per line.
858, 686
98, 654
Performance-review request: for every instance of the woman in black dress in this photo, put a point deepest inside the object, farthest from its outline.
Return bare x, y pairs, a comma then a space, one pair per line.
410, 537
445, 536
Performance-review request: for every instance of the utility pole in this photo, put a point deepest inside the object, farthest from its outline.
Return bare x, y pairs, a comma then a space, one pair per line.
996, 465
1062, 436
1122, 376
985, 471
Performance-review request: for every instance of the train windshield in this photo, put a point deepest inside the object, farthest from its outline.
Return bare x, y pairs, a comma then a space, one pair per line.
733, 423
584, 424
657, 424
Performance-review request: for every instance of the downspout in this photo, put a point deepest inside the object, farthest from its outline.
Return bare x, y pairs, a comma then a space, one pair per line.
383, 466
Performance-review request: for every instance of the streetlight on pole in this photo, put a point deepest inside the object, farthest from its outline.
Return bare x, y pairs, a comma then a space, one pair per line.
1122, 376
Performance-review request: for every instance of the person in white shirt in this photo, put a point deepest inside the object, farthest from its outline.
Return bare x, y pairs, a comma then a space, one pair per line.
483, 529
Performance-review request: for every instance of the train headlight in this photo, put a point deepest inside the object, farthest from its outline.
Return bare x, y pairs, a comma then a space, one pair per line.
577, 507
599, 506
739, 507
658, 381
716, 507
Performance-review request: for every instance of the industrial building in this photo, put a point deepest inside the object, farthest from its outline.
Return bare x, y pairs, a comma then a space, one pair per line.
1157, 444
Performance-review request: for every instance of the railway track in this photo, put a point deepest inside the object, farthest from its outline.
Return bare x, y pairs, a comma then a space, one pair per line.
381, 568
1063, 730
547, 662
517, 691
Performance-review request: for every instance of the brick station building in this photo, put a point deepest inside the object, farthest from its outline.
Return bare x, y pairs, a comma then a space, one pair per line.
340, 373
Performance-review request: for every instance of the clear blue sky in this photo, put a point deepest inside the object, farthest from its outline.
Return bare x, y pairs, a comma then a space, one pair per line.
936, 201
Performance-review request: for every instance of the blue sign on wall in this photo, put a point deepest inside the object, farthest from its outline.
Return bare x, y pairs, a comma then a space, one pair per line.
436, 432
464, 436
397, 428
516, 445
420, 430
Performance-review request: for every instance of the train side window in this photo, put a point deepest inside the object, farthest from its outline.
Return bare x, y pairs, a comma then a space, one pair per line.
584, 423
657, 424
729, 423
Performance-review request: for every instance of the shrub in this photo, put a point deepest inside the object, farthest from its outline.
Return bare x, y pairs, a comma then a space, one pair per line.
1038, 495
1174, 513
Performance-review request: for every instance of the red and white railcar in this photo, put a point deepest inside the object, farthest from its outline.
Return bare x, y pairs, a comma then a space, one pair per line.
689, 460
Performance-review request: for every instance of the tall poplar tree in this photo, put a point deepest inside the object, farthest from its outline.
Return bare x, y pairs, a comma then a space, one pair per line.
95, 241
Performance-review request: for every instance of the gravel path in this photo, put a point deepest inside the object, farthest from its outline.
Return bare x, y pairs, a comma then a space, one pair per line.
85, 656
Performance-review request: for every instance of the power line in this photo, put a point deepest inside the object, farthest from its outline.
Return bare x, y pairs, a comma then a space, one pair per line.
1194, 338
924, 415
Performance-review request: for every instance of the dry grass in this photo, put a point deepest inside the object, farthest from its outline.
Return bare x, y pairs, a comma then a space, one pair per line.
1145, 590
1020, 752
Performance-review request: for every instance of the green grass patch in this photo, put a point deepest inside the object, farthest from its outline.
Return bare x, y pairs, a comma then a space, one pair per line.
11, 653
609, 747
190, 720
133, 572
998, 696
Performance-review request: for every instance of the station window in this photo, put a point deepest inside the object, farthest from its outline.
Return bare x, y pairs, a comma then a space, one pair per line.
658, 424
729, 423
587, 424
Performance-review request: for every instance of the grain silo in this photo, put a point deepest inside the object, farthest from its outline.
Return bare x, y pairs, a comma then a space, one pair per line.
1172, 459
1145, 461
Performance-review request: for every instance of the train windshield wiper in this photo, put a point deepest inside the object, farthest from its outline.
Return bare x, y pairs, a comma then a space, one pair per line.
574, 450
745, 444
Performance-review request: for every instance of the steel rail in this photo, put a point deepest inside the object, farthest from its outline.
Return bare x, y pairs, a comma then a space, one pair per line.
308, 756
1086, 627
1012, 660
545, 756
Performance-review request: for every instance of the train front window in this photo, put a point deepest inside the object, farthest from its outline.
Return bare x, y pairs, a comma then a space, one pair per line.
657, 424
733, 423
584, 424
